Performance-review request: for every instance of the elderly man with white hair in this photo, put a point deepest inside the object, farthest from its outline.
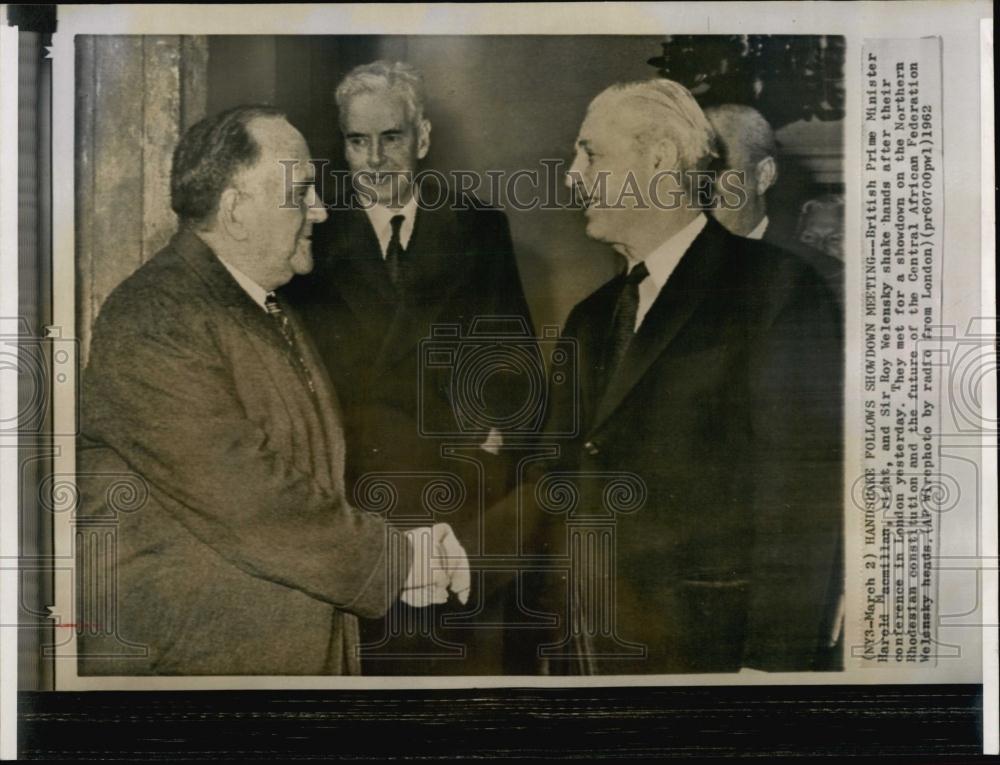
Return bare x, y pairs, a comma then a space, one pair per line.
747, 148
711, 372
395, 261
748, 154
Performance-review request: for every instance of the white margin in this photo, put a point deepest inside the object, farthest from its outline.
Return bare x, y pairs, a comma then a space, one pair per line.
8, 392
988, 397
882, 18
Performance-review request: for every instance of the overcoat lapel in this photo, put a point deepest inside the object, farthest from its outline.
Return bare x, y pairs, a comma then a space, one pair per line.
255, 322
224, 288
326, 395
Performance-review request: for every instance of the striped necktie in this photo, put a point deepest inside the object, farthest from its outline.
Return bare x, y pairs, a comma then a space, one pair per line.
276, 312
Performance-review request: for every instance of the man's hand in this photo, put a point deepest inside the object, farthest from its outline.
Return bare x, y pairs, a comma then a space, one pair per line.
439, 564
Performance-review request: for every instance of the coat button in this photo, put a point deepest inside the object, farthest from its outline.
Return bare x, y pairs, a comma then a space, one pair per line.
591, 448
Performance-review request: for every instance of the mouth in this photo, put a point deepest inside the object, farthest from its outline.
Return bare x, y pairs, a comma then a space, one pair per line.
377, 177
586, 200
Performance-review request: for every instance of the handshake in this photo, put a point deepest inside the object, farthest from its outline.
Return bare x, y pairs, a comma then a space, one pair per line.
439, 565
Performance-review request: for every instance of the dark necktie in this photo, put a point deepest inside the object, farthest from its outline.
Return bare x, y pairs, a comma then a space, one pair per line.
623, 321
276, 312
394, 254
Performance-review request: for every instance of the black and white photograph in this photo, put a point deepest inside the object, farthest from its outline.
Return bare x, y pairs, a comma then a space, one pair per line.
450, 349
344, 410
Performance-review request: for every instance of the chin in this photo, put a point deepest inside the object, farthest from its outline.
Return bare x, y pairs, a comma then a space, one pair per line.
388, 199
596, 229
302, 261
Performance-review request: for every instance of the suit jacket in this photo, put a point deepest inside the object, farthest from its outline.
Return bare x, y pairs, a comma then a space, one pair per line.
245, 557
727, 407
400, 405
397, 408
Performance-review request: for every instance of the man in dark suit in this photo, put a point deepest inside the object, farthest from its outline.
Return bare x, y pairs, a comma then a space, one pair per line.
748, 154
395, 261
246, 557
710, 380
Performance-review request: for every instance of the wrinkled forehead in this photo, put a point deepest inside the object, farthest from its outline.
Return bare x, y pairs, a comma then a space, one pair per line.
377, 109
611, 116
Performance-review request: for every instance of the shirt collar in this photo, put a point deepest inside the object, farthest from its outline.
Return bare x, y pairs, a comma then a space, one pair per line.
662, 261
381, 217
759, 229
257, 293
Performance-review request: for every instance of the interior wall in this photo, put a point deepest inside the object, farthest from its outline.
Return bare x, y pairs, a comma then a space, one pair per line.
298, 74
136, 94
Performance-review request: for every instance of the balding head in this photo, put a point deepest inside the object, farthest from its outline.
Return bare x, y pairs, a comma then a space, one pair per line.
745, 137
747, 149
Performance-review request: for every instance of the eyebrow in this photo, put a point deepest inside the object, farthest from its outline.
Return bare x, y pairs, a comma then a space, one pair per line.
390, 131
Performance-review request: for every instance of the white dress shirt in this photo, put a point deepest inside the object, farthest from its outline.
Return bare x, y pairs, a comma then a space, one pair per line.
661, 262
381, 217
257, 293
758, 232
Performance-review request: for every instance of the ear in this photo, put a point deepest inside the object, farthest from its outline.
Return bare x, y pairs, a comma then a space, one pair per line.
664, 154
231, 216
767, 174
423, 138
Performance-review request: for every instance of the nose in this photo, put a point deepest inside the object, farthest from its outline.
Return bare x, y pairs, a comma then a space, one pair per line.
376, 156
573, 177
316, 213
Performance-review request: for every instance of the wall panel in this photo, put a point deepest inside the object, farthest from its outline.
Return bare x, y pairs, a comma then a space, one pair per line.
135, 96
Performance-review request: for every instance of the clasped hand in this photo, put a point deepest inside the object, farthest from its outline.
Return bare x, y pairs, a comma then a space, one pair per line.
439, 565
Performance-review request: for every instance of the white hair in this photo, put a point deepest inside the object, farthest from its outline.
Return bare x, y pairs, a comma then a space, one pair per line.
665, 110
382, 76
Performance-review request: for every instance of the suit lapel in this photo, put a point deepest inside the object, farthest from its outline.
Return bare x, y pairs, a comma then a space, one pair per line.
223, 287
591, 341
438, 263
351, 264
686, 288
